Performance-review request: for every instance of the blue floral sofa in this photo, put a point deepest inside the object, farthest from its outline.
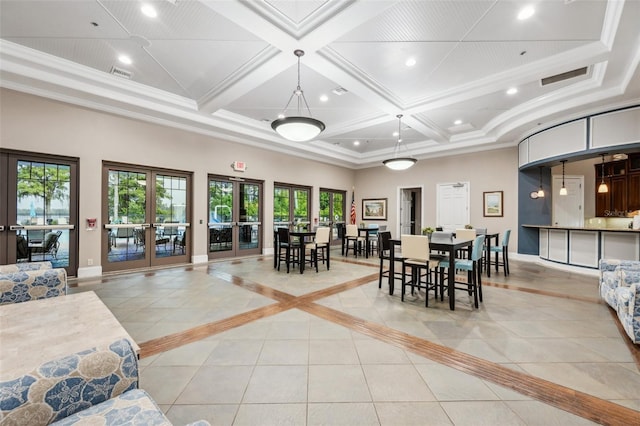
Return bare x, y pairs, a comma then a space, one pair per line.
26, 266
98, 386
23, 282
620, 288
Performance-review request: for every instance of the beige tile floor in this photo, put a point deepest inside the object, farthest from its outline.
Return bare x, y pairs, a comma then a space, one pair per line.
294, 368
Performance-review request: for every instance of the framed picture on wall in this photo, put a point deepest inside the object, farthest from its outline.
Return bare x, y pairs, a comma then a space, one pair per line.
374, 209
492, 203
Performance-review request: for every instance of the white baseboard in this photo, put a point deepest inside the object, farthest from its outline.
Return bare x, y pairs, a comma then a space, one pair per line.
203, 258
90, 271
531, 258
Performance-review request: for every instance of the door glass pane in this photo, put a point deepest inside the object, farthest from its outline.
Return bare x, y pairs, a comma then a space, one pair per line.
338, 207
281, 206
301, 206
171, 208
127, 203
325, 207
43, 191
220, 216
249, 215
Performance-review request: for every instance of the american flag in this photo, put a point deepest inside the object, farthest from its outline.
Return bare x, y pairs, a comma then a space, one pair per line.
353, 208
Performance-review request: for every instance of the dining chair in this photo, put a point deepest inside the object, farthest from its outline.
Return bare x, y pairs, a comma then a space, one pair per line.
416, 256
353, 236
320, 244
384, 253
472, 265
504, 249
464, 234
373, 237
286, 248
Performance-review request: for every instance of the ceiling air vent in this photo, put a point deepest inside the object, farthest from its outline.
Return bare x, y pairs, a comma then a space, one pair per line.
564, 76
121, 72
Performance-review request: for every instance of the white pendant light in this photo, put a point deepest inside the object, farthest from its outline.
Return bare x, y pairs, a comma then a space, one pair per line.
563, 190
298, 128
399, 163
541, 191
603, 188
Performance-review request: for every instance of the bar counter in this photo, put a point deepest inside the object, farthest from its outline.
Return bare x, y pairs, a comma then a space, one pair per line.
586, 246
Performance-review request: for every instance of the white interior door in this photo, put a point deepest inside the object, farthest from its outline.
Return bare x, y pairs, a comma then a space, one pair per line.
405, 212
568, 209
452, 205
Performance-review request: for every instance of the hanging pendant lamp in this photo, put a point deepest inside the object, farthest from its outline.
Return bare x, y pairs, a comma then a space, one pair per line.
298, 128
399, 163
563, 190
541, 191
603, 188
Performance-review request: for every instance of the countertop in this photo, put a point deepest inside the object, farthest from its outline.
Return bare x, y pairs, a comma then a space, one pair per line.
576, 228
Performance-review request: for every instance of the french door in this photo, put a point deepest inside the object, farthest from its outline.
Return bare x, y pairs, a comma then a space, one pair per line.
39, 209
146, 215
332, 210
235, 217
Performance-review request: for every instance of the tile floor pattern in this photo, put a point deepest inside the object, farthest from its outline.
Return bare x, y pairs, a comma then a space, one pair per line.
296, 368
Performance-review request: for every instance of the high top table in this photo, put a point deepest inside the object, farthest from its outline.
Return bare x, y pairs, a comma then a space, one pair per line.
448, 246
38, 331
303, 235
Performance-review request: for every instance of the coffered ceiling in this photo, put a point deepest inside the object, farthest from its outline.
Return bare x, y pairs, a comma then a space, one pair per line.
226, 68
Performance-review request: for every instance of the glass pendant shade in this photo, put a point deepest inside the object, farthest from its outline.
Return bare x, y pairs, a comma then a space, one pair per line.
563, 191
603, 188
399, 163
298, 128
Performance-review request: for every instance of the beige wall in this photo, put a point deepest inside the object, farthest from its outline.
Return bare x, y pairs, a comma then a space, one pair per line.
36, 124
485, 171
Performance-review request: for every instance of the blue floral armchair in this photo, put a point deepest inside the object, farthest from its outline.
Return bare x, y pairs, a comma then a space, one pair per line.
620, 288
95, 386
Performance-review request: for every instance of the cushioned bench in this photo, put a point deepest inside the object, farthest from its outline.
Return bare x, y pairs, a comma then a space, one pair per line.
26, 285
620, 288
95, 386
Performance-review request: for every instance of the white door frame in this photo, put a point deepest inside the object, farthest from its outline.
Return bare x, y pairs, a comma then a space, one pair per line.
399, 204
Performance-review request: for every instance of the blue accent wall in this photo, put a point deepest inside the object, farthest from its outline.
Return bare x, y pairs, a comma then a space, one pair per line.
532, 211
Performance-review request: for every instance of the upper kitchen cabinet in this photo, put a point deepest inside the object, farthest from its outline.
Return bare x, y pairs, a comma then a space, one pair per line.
623, 181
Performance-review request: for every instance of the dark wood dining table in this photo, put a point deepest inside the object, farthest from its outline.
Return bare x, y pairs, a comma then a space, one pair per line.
443, 245
367, 233
303, 235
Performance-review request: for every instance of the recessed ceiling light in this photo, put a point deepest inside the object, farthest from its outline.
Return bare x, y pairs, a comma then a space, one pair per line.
526, 13
457, 122
512, 91
356, 143
324, 98
410, 62
125, 59
149, 10
394, 134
